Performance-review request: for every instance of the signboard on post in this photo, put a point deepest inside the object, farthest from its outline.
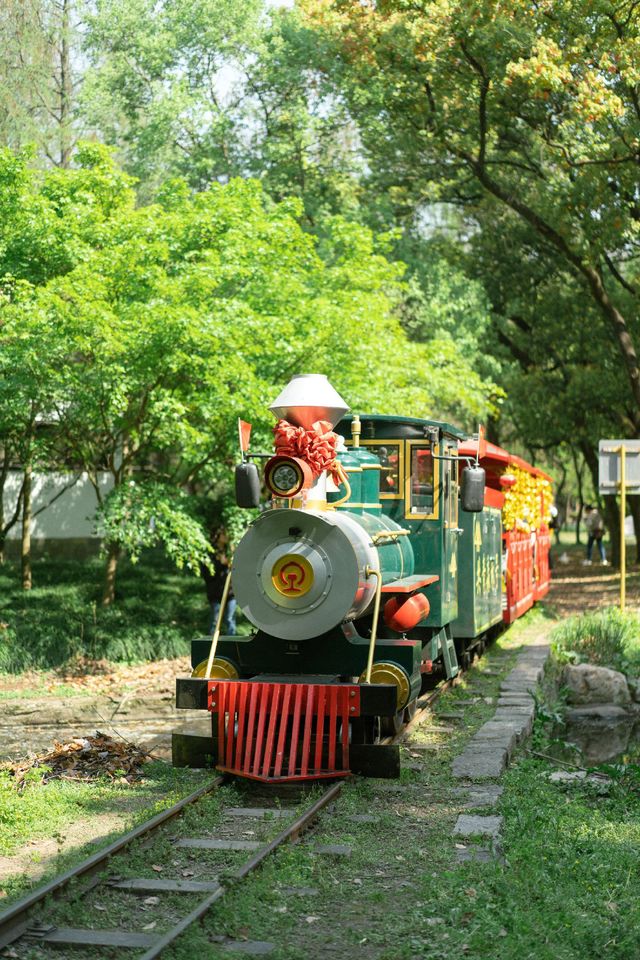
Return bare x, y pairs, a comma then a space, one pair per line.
609, 462
619, 471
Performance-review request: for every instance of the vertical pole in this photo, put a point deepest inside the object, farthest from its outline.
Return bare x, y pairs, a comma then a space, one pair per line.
216, 632
355, 431
623, 510
374, 625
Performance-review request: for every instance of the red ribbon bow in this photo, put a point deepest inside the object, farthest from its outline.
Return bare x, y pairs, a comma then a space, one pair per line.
316, 446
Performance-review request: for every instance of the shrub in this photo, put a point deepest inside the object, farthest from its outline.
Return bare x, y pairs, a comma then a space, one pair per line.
609, 638
156, 615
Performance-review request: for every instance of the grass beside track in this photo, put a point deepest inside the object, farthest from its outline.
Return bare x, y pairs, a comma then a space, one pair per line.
567, 889
61, 810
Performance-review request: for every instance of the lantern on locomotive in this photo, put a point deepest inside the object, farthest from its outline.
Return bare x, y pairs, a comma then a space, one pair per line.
328, 582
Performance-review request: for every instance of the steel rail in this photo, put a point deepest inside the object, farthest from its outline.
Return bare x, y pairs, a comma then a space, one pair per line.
13, 922
291, 832
425, 705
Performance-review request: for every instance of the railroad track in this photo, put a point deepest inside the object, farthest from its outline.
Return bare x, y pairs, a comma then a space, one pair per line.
20, 932
205, 867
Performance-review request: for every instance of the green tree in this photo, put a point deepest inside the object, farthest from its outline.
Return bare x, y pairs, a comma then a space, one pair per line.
534, 105
39, 76
163, 85
31, 359
564, 392
208, 91
193, 312
301, 140
49, 223
166, 322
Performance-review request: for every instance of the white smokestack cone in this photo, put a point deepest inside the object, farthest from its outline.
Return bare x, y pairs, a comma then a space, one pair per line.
306, 398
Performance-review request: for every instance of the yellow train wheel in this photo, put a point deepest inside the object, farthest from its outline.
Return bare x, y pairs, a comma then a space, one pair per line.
221, 669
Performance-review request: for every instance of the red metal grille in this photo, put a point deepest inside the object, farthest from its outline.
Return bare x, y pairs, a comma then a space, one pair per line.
283, 731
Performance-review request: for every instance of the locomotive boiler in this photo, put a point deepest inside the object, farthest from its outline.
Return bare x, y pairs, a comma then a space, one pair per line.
349, 578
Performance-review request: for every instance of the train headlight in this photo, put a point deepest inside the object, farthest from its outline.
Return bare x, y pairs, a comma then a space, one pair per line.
286, 476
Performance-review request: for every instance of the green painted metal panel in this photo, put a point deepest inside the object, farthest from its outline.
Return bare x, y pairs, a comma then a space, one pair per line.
370, 489
391, 426
396, 558
429, 543
354, 475
332, 653
479, 583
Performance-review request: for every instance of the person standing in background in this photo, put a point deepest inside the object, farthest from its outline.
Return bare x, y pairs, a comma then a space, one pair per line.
214, 584
595, 530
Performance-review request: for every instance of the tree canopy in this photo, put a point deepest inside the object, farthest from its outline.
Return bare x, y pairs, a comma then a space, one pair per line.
169, 321
534, 105
434, 202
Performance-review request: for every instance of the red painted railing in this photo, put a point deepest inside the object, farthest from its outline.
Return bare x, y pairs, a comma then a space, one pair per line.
519, 576
528, 575
283, 731
542, 570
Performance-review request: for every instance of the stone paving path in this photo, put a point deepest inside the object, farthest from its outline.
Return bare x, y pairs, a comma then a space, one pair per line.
490, 749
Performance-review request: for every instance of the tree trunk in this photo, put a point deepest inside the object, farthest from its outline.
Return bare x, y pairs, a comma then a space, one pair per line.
493, 430
634, 506
4, 472
612, 522
26, 528
65, 86
561, 504
590, 273
111, 569
579, 470
579, 519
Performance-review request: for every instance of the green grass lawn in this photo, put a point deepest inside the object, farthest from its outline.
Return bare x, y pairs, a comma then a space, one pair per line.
565, 887
65, 810
157, 612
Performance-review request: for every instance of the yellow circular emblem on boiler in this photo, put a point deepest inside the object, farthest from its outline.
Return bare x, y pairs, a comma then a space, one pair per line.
292, 575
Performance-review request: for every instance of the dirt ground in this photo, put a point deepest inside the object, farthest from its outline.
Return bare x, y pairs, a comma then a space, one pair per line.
133, 702
576, 587
91, 677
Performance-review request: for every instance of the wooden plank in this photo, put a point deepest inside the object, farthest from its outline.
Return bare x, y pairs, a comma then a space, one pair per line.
75, 936
157, 885
207, 844
259, 813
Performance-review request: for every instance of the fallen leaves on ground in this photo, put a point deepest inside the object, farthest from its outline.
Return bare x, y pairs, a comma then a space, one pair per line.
87, 676
576, 588
83, 758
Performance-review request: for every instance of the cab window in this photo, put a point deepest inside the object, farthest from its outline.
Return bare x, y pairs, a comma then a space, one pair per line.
389, 457
421, 487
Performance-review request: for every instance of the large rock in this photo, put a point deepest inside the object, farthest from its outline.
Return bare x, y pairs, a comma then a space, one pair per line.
589, 684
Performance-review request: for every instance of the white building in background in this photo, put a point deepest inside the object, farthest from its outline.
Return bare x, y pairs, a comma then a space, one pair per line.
64, 506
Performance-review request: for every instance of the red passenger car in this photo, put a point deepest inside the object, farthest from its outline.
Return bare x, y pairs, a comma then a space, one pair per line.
523, 494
